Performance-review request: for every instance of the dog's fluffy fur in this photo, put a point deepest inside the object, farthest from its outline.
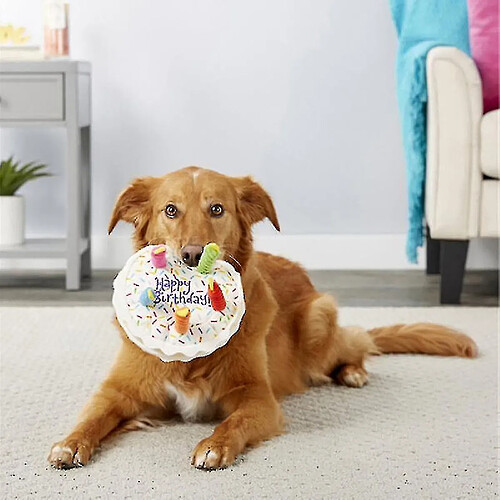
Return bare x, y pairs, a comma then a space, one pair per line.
289, 338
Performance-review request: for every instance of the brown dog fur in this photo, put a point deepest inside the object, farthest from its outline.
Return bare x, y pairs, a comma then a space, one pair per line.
289, 338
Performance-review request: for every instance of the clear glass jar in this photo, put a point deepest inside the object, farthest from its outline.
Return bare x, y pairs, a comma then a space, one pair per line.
55, 28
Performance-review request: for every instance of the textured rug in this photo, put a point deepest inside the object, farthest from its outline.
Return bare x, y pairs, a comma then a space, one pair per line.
424, 427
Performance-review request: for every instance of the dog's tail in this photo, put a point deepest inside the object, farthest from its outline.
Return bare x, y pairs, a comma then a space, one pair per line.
423, 338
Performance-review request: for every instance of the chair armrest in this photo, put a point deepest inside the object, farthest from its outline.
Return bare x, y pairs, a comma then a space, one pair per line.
453, 177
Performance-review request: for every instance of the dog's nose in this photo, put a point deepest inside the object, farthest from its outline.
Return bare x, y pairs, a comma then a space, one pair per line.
191, 254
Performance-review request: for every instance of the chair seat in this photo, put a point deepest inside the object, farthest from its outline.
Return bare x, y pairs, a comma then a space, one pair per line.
490, 155
489, 223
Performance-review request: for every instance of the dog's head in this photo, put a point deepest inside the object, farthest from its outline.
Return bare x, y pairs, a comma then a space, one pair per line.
191, 207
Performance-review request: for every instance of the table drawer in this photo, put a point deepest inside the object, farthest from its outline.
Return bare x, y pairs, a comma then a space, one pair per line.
31, 97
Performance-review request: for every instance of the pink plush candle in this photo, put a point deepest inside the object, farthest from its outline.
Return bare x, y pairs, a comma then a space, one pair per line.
159, 256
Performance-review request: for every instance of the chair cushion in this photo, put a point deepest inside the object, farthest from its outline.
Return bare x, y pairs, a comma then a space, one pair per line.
483, 30
490, 144
489, 225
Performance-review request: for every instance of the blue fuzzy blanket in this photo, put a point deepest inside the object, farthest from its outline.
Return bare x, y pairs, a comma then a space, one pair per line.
421, 25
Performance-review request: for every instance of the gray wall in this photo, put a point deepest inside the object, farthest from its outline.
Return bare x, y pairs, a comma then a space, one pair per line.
300, 94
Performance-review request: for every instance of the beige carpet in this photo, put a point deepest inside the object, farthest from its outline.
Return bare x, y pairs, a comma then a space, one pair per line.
425, 427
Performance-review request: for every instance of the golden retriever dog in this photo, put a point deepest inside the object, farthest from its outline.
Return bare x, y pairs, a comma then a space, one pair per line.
289, 338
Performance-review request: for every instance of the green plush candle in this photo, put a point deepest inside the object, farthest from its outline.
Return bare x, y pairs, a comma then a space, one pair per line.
208, 258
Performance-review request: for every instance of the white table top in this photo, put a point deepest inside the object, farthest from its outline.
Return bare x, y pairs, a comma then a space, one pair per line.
46, 66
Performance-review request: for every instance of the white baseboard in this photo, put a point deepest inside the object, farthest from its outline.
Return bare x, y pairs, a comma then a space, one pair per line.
343, 251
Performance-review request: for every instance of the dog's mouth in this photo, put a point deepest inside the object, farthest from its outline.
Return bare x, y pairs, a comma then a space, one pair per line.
192, 259
224, 254
229, 257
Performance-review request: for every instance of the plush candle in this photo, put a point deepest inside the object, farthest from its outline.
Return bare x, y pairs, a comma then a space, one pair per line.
208, 258
216, 296
159, 256
182, 317
147, 297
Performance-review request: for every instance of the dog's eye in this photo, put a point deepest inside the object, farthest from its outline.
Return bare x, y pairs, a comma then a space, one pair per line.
171, 210
216, 210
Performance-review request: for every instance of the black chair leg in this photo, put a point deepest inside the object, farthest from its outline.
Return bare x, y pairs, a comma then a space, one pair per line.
453, 257
433, 251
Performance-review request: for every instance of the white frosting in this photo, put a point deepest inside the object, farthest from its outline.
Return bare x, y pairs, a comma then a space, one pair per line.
152, 327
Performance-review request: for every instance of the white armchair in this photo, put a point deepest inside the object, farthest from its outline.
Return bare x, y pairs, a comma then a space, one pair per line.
463, 166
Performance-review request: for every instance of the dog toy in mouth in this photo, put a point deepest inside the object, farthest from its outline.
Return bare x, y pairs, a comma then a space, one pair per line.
174, 311
208, 258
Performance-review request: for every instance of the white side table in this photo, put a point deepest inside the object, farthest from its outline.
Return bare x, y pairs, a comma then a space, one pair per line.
55, 94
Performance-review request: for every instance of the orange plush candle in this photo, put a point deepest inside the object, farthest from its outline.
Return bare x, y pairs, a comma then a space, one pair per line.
182, 317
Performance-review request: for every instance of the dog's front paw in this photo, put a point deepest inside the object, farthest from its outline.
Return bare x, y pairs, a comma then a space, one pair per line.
213, 453
69, 453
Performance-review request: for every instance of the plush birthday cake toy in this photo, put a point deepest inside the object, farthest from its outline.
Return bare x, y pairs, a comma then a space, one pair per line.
176, 312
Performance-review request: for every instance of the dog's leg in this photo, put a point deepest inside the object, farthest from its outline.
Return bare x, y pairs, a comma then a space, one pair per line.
330, 351
350, 375
104, 412
355, 346
254, 416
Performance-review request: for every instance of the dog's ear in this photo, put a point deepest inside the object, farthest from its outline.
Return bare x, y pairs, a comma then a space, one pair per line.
133, 204
255, 202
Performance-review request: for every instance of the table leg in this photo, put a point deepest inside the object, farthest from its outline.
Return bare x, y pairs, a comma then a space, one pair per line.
86, 269
74, 231
74, 186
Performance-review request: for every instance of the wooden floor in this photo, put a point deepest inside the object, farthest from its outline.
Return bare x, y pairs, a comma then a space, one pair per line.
351, 288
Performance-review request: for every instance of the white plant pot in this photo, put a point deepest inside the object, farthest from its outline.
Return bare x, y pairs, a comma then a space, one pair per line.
11, 220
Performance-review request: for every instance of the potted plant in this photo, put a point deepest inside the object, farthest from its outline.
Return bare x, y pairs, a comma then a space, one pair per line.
12, 177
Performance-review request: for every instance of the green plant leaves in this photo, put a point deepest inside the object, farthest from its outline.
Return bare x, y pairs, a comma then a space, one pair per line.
13, 176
